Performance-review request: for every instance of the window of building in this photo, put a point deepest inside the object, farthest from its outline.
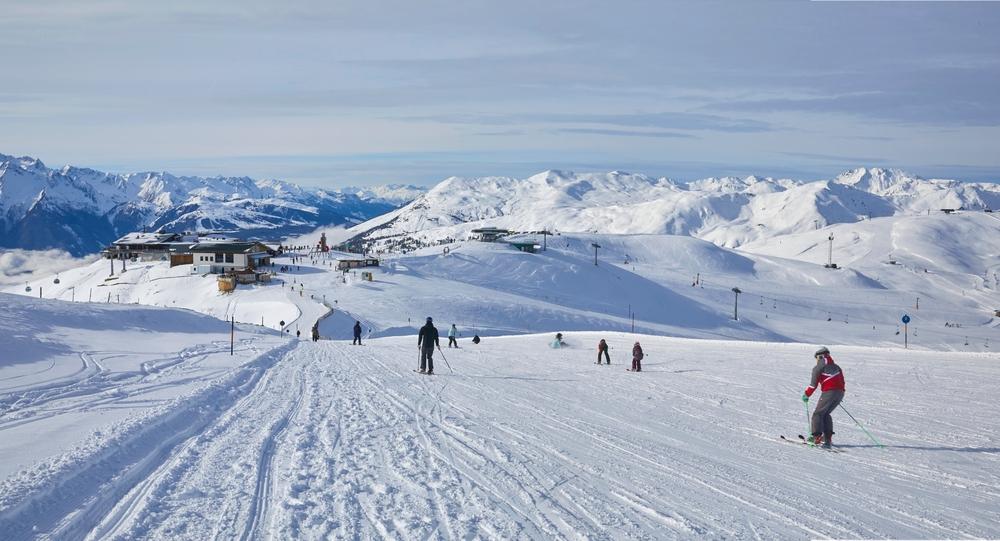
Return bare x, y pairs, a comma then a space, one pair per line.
229, 258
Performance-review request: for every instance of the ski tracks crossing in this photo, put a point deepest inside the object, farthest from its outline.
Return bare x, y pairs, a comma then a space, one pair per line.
327, 440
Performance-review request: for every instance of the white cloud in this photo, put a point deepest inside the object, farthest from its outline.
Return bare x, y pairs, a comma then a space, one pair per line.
19, 266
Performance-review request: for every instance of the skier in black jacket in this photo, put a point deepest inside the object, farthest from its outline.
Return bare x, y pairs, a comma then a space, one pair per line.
357, 333
426, 340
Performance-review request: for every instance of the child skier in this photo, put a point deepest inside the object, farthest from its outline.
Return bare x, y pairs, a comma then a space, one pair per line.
558, 342
637, 358
602, 347
830, 379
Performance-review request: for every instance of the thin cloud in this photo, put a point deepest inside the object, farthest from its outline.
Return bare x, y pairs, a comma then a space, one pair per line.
668, 120
834, 158
625, 133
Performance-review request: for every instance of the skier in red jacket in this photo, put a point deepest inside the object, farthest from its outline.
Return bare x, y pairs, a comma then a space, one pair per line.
828, 376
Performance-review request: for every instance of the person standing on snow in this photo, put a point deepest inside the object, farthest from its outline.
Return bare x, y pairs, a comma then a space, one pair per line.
637, 358
828, 376
558, 342
452, 332
426, 341
357, 333
602, 347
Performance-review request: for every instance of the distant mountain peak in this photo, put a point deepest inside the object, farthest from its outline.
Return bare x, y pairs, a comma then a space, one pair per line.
80, 210
726, 210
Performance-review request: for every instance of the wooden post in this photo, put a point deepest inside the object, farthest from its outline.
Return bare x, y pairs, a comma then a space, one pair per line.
232, 334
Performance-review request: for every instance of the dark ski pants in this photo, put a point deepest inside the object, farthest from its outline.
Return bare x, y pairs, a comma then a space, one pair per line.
606, 356
357, 340
822, 421
451, 341
427, 359
636, 364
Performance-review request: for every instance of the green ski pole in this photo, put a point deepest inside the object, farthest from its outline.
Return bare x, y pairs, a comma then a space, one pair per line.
861, 426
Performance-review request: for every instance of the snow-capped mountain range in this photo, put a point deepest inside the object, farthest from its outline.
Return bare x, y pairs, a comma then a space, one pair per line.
80, 210
728, 211
396, 195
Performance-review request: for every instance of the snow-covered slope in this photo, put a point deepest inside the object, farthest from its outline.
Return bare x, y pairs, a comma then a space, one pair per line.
118, 360
727, 211
509, 440
916, 194
81, 210
672, 285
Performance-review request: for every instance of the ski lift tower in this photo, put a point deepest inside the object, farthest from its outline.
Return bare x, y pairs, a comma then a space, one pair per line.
829, 263
545, 236
596, 246
736, 304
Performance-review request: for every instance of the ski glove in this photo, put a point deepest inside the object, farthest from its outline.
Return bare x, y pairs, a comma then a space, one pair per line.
805, 399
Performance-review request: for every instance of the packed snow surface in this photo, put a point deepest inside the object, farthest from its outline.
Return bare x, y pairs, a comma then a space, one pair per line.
509, 439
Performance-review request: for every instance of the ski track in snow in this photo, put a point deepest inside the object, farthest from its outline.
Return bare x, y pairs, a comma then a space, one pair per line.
328, 440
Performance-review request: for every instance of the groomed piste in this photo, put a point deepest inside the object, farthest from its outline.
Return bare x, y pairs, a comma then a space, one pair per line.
509, 438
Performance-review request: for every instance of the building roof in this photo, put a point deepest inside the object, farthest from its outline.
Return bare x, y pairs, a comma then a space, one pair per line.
147, 238
490, 230
228, 248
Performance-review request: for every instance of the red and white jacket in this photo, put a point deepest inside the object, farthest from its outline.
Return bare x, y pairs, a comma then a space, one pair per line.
826, 375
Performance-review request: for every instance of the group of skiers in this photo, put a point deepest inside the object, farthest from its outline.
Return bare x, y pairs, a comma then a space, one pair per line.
826, 374
427, 339
602, 350
637, 354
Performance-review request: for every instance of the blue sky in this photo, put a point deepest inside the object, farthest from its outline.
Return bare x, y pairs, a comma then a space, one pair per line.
337, 93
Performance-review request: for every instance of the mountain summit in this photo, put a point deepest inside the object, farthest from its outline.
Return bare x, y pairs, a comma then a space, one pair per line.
80, 210
728, 211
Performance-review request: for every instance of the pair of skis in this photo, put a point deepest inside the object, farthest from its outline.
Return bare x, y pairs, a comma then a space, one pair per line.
804, 441
442, 357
